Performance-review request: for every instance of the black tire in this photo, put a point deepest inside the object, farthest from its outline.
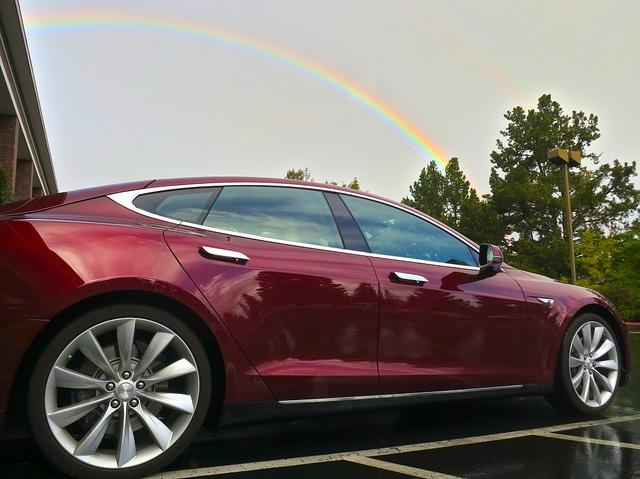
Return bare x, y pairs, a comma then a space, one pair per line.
564, 396
40, 430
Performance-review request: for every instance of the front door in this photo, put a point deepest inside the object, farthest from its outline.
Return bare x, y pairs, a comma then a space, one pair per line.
444, 325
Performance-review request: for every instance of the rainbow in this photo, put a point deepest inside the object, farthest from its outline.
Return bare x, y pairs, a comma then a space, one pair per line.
41, 24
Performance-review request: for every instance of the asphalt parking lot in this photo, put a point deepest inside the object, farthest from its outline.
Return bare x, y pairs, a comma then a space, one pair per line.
515, 438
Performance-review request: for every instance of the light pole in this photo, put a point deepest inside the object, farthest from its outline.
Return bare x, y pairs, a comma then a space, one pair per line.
567, 159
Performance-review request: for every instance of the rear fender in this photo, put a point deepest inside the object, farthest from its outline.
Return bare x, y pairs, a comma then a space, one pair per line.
49, 266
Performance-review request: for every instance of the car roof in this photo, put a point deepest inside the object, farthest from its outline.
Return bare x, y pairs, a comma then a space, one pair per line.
243, 179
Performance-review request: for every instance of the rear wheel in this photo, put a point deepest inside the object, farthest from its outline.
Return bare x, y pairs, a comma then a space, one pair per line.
588, 368
119, 392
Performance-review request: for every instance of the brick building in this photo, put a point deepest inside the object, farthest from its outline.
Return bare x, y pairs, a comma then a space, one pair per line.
24, 151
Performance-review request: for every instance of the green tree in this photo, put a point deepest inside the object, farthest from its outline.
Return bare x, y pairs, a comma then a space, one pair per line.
526, 188
456, 191
6, 195
354, 185
622, 281
479, 222
609, 264
427, 193
441, 196
594, 258
303, 175
450, 199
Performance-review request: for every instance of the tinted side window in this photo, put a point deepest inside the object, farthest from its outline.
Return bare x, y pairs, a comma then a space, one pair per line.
291, 214
391, 231
476, 256
189, 204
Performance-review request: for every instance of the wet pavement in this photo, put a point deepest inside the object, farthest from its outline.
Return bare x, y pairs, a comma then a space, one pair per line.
514, 438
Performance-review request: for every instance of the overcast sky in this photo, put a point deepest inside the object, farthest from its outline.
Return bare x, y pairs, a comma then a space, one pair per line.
123, 103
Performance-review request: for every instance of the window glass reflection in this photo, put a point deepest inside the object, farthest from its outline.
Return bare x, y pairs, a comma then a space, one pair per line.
183, 205
292, 214
391, 231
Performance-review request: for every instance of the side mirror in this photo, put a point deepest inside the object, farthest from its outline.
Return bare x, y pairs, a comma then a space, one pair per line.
490, 258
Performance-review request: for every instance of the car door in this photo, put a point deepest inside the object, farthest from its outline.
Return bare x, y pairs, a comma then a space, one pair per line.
271, 260
444, 324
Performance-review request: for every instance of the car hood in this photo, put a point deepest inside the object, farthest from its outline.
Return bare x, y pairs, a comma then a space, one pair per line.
527, 275
536, 286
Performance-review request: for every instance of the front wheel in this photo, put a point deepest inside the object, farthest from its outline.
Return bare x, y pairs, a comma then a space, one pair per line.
588, 367
119, 392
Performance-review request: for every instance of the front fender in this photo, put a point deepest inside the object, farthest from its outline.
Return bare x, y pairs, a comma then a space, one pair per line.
548, 323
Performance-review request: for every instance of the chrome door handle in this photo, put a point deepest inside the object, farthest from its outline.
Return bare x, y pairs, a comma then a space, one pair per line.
223, 255
408, 278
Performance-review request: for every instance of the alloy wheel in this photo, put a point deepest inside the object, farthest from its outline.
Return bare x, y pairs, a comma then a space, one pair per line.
593, 364
121, 393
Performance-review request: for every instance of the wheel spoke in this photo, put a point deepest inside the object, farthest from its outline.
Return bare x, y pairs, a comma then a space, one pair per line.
598, 332
67, 378
596, 390
585, 386
577, 345
604, 380
586, 338
179, 402
607, 346
575, 362
126, 332
126, 441
91, 441
70, 414
608, 364
174, 370
577, 379
161, 433
156, 346
89, 346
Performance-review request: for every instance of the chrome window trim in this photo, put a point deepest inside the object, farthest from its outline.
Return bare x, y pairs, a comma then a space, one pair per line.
449, 392
126, 199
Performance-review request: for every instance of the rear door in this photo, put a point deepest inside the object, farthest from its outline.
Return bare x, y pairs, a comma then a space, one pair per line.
271, 261
445, 325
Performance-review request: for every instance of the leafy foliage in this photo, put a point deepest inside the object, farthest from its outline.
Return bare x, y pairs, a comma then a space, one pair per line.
305, 175
479, 222
609, 264
6, 195
354, 185
427, 193
622, 281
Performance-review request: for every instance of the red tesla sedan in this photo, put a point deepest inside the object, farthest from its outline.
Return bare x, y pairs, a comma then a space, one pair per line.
130, 314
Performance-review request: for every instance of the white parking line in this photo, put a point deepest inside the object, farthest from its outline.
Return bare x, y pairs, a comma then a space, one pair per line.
250, 466
589, 440
494, 437
393, 467
299, 461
